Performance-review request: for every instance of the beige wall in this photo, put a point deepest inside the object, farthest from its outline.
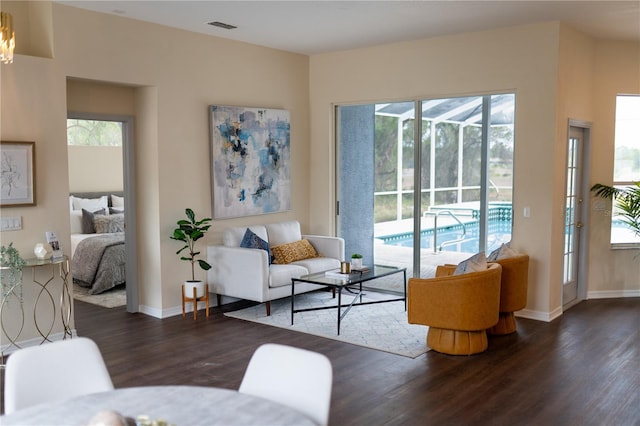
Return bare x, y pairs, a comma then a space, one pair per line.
612, 273
97, 168
521, 60
556, 75
171, 94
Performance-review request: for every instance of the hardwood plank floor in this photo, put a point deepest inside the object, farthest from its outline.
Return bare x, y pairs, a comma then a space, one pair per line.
581, 369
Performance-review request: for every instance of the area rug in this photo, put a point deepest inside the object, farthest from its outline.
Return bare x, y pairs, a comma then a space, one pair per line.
113, 298
382, 326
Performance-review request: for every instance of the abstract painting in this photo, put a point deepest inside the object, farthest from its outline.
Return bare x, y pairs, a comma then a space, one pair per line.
17, 182
250, 161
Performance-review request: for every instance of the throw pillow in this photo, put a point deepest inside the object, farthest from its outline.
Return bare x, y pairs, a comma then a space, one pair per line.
476, 263
291, 252
503, 252
252, 240
87, 220
108, 224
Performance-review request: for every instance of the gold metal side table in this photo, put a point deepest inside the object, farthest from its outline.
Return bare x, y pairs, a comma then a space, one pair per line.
62, 265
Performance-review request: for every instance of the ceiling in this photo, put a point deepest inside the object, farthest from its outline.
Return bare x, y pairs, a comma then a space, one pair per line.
313, 27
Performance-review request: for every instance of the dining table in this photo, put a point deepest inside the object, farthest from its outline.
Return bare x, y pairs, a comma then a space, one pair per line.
161, 405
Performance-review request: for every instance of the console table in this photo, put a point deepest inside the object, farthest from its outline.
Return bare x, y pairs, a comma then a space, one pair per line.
43, 272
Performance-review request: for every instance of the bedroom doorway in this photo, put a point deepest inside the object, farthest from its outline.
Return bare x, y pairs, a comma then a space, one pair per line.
102, 131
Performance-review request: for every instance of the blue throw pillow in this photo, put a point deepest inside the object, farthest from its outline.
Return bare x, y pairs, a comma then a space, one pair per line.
252, 240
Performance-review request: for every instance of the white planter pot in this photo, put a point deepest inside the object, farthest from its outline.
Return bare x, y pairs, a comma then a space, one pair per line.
190, 285
356, 263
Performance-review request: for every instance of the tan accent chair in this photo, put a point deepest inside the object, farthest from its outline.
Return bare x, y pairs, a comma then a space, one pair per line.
457, 308
513, 292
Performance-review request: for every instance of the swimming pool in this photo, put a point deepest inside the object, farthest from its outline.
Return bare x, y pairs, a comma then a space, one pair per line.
499, 232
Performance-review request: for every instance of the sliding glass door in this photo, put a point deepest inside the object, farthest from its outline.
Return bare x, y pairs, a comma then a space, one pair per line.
459, 200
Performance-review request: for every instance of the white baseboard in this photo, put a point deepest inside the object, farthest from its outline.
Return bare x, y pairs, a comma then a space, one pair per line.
610, 294
174, 310
539, 315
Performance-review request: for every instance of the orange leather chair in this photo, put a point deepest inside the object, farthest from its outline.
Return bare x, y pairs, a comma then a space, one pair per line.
457, 308
513, 292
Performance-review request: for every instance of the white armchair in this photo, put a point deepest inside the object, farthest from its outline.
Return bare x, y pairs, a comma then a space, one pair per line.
245, 273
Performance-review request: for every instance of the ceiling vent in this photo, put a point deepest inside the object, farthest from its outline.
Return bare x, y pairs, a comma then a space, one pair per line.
221, 25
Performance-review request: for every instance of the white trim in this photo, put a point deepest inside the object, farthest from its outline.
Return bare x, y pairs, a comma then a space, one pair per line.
610, 294
539, 315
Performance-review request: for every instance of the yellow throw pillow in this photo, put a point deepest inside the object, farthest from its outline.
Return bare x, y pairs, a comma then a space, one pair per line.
291, 252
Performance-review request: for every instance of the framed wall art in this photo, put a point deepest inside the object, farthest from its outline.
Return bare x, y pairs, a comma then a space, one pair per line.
250, 161
17, 182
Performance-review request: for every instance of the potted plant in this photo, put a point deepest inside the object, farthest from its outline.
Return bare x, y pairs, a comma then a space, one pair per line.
356, 260
189, 231
627, 200
11, 264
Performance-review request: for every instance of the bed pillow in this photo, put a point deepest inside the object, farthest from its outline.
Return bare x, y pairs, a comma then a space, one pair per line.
476, 263
87, 220
108, 224
117, 201
291, 252
252, 240
503, 252
76, 221
115, 210
90, 204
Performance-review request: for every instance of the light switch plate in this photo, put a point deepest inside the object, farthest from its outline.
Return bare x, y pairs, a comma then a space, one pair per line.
11, 223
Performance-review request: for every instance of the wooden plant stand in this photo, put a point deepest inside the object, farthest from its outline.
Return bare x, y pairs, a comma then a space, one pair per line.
195, 300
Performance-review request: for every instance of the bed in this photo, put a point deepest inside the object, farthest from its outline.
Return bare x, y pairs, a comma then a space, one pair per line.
97, 240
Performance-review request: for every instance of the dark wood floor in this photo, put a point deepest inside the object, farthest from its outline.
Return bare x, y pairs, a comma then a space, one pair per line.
581, 369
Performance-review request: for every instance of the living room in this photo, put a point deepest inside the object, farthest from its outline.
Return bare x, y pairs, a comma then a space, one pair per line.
557, 72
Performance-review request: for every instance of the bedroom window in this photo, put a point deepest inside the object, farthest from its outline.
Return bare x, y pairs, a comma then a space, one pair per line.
94, 132
626, 166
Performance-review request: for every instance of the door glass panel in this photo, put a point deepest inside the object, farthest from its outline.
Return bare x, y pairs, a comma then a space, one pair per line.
453, 156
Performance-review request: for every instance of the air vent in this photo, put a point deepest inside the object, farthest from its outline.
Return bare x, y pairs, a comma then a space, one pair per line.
222, 25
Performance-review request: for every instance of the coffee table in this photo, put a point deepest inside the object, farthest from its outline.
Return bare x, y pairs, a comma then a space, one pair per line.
352, 284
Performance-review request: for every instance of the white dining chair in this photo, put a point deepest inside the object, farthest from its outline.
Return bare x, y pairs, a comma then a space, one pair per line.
53, 372
294, 377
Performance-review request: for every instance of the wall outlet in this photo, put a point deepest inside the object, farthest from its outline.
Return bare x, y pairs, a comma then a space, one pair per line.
526, 212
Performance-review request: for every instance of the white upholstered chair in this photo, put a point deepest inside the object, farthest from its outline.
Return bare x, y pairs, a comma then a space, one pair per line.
53, 372
295, 377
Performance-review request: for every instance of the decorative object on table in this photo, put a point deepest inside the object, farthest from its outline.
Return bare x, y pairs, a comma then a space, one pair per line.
41, 250
250, 161
109, 418
356, 261
18, 183
345, 267
189, 231
627, 201
52, 239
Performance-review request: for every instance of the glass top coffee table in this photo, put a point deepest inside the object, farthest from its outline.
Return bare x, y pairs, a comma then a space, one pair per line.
352, 283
